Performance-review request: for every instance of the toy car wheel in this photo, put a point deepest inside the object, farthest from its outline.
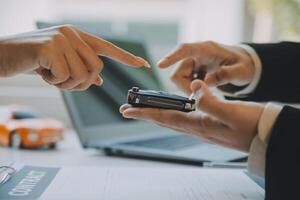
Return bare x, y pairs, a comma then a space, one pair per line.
15, 140
52, 146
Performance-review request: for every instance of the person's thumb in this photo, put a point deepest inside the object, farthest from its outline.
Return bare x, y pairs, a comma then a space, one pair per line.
209, 103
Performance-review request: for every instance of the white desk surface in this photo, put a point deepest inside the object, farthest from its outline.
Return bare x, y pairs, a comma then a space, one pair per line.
70, 153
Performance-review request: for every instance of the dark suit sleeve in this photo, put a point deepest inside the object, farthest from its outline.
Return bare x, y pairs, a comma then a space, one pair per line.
280, 78
280, 81
283, 157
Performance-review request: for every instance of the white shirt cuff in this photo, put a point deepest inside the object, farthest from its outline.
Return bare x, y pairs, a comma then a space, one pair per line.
257, 154
257, 74
267, 120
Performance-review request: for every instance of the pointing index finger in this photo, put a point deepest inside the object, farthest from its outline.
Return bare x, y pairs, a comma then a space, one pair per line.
203, 50
181, 52
105, 48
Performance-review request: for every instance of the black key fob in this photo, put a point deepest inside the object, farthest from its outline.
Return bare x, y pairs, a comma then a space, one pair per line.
159, 99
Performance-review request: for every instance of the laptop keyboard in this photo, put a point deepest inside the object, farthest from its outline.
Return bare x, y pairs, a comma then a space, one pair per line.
170, 143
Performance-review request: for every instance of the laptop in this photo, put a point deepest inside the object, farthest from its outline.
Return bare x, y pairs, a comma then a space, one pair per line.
98, 123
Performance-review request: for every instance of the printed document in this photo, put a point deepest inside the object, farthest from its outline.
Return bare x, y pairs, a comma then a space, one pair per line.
50, 183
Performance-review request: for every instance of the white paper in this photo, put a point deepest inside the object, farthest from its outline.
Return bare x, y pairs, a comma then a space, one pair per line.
155, 184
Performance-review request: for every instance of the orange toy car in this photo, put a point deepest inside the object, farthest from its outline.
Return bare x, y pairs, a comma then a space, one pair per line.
20, 127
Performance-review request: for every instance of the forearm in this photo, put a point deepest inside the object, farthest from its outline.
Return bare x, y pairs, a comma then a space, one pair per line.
16, 58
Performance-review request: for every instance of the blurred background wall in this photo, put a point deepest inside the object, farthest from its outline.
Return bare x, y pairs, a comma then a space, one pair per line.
160, 24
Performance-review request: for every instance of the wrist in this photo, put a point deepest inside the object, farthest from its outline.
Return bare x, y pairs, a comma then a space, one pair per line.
245, 63
244, 59
253, 74
249, 64
3, 60
16, 57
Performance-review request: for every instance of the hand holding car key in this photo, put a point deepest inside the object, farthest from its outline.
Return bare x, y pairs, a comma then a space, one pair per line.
160, 99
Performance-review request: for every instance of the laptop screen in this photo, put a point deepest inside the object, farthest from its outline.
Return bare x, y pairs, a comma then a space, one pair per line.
100, 105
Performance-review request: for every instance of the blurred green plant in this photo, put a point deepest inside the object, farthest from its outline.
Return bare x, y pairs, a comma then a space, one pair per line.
285, 14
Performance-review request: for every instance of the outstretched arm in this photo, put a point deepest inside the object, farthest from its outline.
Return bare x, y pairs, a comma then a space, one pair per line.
63, 56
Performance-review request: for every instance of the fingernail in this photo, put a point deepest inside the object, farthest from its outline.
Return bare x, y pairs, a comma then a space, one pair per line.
146, 64
127, 116
143, 62
160, 62
192, 96
129, 113
98, 81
